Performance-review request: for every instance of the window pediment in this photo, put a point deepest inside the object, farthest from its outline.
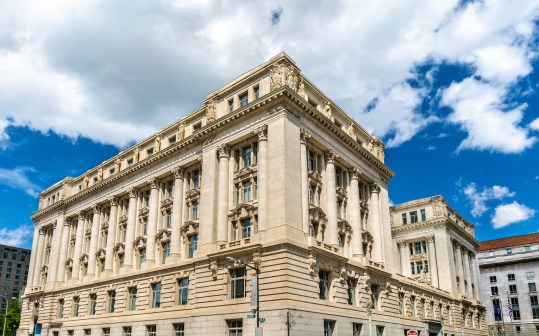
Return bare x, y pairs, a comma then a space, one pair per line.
100, 254
119, 248
144, 211
242, 211
69, 263
163, 236
166, 204
122, 219
140, 242
317, 215
88, 233
190, 228
192, 194
245, 172
84, 258
104, 227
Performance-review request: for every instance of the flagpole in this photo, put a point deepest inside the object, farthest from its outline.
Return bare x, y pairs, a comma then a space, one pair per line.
501, 313
509, 304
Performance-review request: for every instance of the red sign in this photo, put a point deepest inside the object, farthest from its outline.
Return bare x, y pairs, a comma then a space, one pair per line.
412, 333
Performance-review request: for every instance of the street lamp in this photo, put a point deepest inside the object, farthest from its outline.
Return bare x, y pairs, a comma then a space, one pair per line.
236, 262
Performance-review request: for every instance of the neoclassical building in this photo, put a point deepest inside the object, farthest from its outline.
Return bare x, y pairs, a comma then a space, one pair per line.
270, 172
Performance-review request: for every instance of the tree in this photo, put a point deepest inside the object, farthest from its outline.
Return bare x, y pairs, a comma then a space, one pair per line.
13, 317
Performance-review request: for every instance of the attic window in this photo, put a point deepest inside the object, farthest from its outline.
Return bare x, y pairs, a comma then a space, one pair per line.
197, 126
149, 152
172, 140
112, 171
129, 162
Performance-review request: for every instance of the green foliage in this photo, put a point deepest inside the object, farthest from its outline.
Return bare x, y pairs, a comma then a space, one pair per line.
13, 318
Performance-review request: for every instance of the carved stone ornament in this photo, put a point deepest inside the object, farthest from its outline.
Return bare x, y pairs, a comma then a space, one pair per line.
96, 208
223, 151
157, 144
430, 238
178, 173
117, 165
100, 174
113, 201
439, 208
301, 88
262, 133
181, 131
132, 192
352, 131
211, 110
331, 155
136, 153
376, 147
328, 112
313, 268
257, 259
375, 187
213, 269
304, 136
356, 173
154, 183
281, 75
139, 243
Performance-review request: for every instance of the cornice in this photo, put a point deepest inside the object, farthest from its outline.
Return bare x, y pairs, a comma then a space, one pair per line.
433, 222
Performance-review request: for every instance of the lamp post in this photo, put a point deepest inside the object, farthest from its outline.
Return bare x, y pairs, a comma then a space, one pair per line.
257, 270
5, 319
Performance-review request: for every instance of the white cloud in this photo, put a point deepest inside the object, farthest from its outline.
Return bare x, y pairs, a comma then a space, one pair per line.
534, 125
478, 199
17, 179
507, 214
116, 71
15, 237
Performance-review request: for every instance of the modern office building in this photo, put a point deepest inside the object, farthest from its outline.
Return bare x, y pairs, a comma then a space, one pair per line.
508, 270
271, 172
14, 263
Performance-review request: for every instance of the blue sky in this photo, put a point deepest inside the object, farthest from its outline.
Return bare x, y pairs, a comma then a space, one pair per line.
450, 86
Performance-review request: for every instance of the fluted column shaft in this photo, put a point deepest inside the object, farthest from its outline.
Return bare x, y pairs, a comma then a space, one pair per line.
262, 179
304, 136
78, 248
55, 248
374, 212
355, 214
39, 258
467, 275
64, 247
94, 240
460, 271
152, 222
331, 199
177, 205
433, 262
404, 260
475, 277
35, 241
222, 200
130, 230
111, 235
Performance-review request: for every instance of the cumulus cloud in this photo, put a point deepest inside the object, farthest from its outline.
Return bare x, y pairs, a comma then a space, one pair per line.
507, 214
478, 199
15, 237
17, 179
116, 71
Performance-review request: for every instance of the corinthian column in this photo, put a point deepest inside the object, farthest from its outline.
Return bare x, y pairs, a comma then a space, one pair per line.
262, 164
433, 262
355, 214
78, 247
222, 200
331, 198
130, 230
175, 235
39, 258
304, 137
111, 235
152, 222
55, 248
30, 279
378, 254
467, 275
460, 271
404, 260
475, 277
64, 247
94, 239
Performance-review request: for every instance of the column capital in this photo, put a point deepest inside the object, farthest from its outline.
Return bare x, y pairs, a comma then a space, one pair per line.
66, 221
113, 201
223, 151
401, 243
154, 183
356, 173
96, 208
132, 192
375, 187
262, 132
331, 155
80, 215
42, 230
178, 173
430, 238
304, 136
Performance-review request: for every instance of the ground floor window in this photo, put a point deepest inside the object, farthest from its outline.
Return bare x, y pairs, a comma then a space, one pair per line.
329, 327
179, 329
234, 327
151, 330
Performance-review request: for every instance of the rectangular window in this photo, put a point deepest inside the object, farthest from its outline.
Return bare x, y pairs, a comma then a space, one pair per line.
183, 291
234, 327
197, 126
401, 304
323, 285
531, 287
111, 301
509, 250
256, 90
179, 329
70, 332
132, 297
237, 283
149, 152
527, 248
530, 275
493, 279
247, 156
126, 331
329, 326
412, 305
195, 210
105, 331
247, 191
494, 290
356, 329
497, 310
535, 307
129, 162
76, 302
142, 257
168, 219
244, 99
196, 178
413, 217
516, 308
87, 332
374, 296
379, 331
193, 244
230, 105
351, 290
151, 330
246, 228
156, 295
423, 215
93, 304
512, 289
166, 252
61, 308
172, 140
491, 253
511, 277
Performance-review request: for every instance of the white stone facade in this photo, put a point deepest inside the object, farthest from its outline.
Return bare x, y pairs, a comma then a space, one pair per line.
270, 172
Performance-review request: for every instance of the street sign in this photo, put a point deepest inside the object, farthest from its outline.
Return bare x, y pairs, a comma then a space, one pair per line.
251, 316
253, 311
412, 332
38, 329
262, 319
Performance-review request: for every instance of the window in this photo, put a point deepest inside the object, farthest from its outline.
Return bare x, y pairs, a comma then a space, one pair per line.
172, 140
166, 251
511, 277
76, 302
329, 326
194, 214
197, 126
142, 257
93, 304
246, 228
111, 301
193, 243
401, 304
412, 305
494, 290
379, 331
105, 331
196, 178
156, 295
237, 283
324, 285
356, 329
247, 156
516, 308
112, 171
129, 162
535, 306
351, 290
419, 262
256, 90
149, 152
87, 332
126, 331
70, 332
512, 289
531, 287
230, 105
423, 215
179, 329
132, 297
374, 296
234, 327
509, 250
497, 309
244, 99
493, 279
61, 308
491, 253
413, 217
151, 330
527, 248
247, 191
168, 218
144, 226
183, 291
530, 275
